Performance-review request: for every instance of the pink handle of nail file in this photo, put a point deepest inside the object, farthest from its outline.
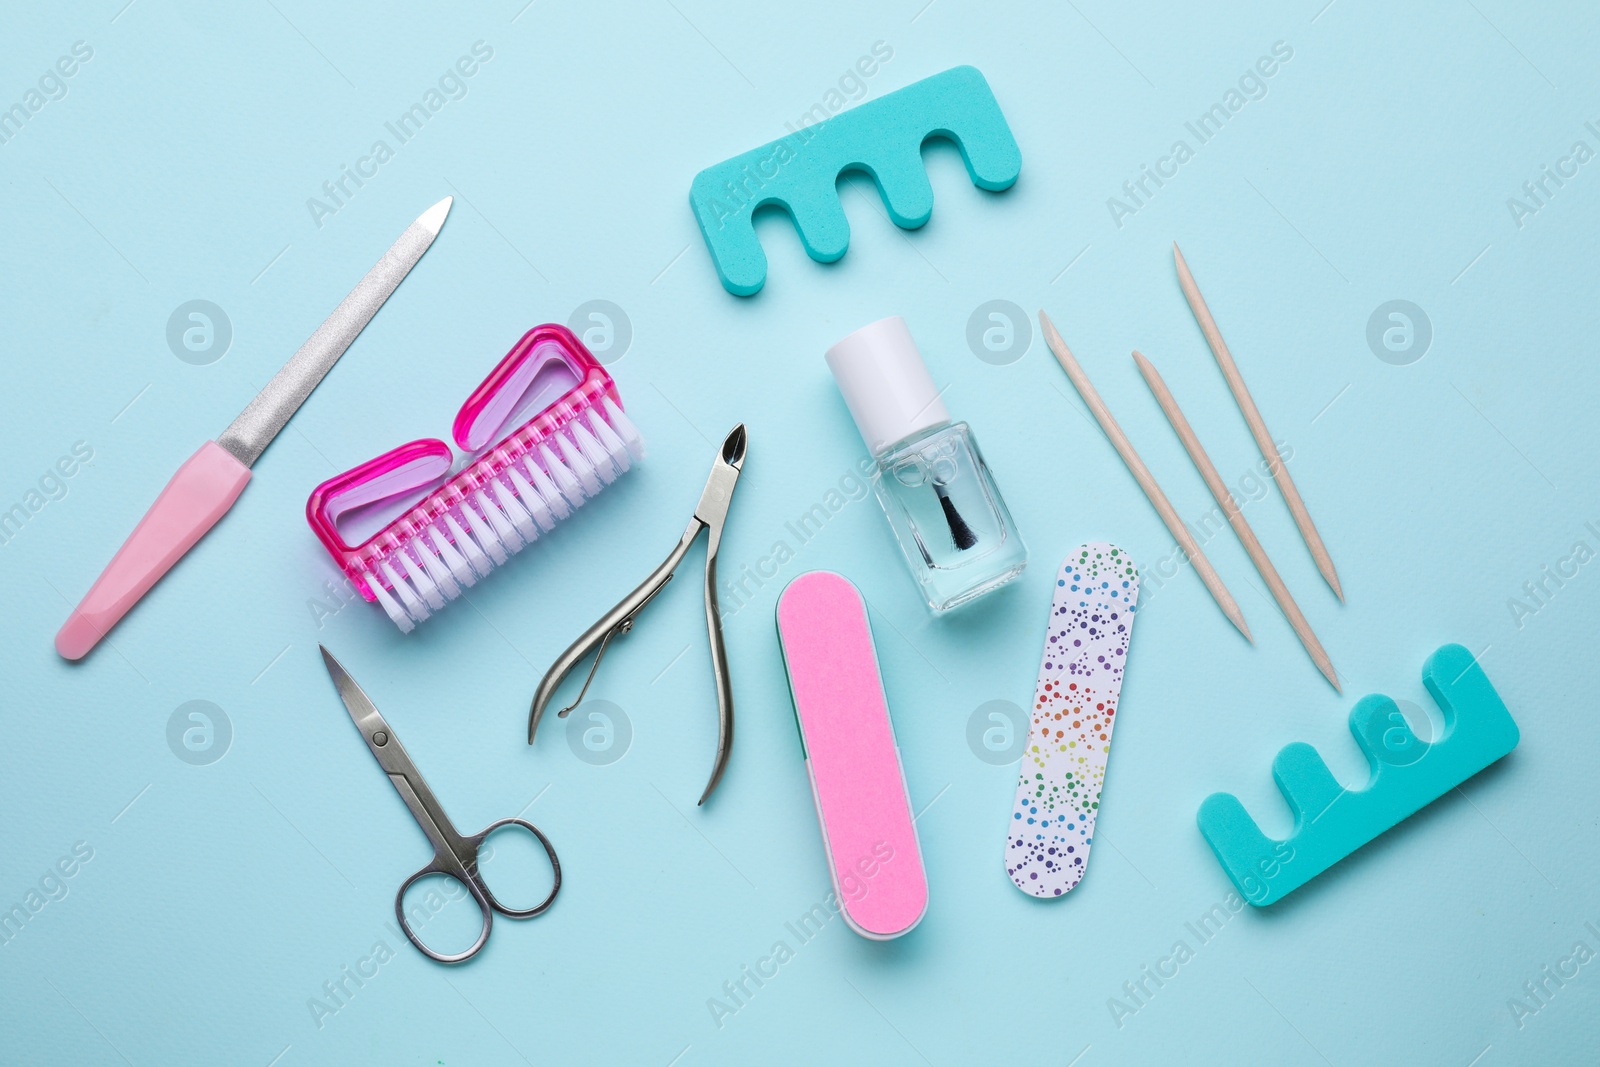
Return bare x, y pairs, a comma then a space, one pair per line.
202, 491
856, 777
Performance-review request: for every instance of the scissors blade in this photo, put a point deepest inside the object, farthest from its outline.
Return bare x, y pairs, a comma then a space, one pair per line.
249, 434
357, 703
393, 758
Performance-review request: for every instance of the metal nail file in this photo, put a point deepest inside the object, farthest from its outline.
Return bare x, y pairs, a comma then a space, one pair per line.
209, 481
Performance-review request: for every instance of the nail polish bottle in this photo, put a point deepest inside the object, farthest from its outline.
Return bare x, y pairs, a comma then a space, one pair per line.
954, 530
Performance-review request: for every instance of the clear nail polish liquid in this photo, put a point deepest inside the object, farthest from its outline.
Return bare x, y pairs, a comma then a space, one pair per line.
947, 514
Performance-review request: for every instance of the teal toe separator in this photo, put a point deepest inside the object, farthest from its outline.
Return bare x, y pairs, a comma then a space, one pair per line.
1408, 774
883, 138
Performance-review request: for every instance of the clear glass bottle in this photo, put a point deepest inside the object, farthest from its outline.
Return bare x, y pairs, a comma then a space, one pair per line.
954, 529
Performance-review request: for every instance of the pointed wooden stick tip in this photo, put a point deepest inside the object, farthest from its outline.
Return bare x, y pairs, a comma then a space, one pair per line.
1182, 264
1052, 336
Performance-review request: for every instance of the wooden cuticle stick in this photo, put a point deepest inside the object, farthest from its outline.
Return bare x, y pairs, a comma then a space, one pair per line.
1258, 425
1142, 475
1247, 536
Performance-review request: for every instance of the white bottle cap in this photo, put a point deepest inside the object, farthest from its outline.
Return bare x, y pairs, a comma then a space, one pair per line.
885, 383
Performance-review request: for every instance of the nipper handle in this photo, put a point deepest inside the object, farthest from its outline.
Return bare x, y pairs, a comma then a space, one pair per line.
618, 620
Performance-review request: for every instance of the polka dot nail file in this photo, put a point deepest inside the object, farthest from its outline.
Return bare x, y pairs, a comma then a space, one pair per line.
1074, 710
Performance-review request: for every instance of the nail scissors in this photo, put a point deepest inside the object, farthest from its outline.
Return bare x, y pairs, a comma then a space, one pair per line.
710, 514
454, 856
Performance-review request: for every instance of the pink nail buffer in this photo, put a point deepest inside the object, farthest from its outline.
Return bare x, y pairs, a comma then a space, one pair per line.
851, 756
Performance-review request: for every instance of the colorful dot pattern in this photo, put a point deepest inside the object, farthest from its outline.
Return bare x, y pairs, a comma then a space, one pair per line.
1074, 710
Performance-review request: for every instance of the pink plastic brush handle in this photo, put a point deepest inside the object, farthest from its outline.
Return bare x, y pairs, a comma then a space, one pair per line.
202, 491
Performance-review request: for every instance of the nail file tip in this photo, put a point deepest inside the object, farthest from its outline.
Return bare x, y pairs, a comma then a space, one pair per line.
432, 219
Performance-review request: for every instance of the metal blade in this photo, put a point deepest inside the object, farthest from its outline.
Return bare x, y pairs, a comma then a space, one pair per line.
356, 702
718, 494
249, 434
396, 762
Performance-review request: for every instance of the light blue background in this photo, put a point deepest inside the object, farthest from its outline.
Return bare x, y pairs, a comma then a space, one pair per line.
220, 898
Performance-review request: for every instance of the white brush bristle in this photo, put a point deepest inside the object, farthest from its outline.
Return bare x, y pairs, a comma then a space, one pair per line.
528, 498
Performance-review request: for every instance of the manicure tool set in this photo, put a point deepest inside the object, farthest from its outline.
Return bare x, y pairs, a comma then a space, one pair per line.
547, 430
